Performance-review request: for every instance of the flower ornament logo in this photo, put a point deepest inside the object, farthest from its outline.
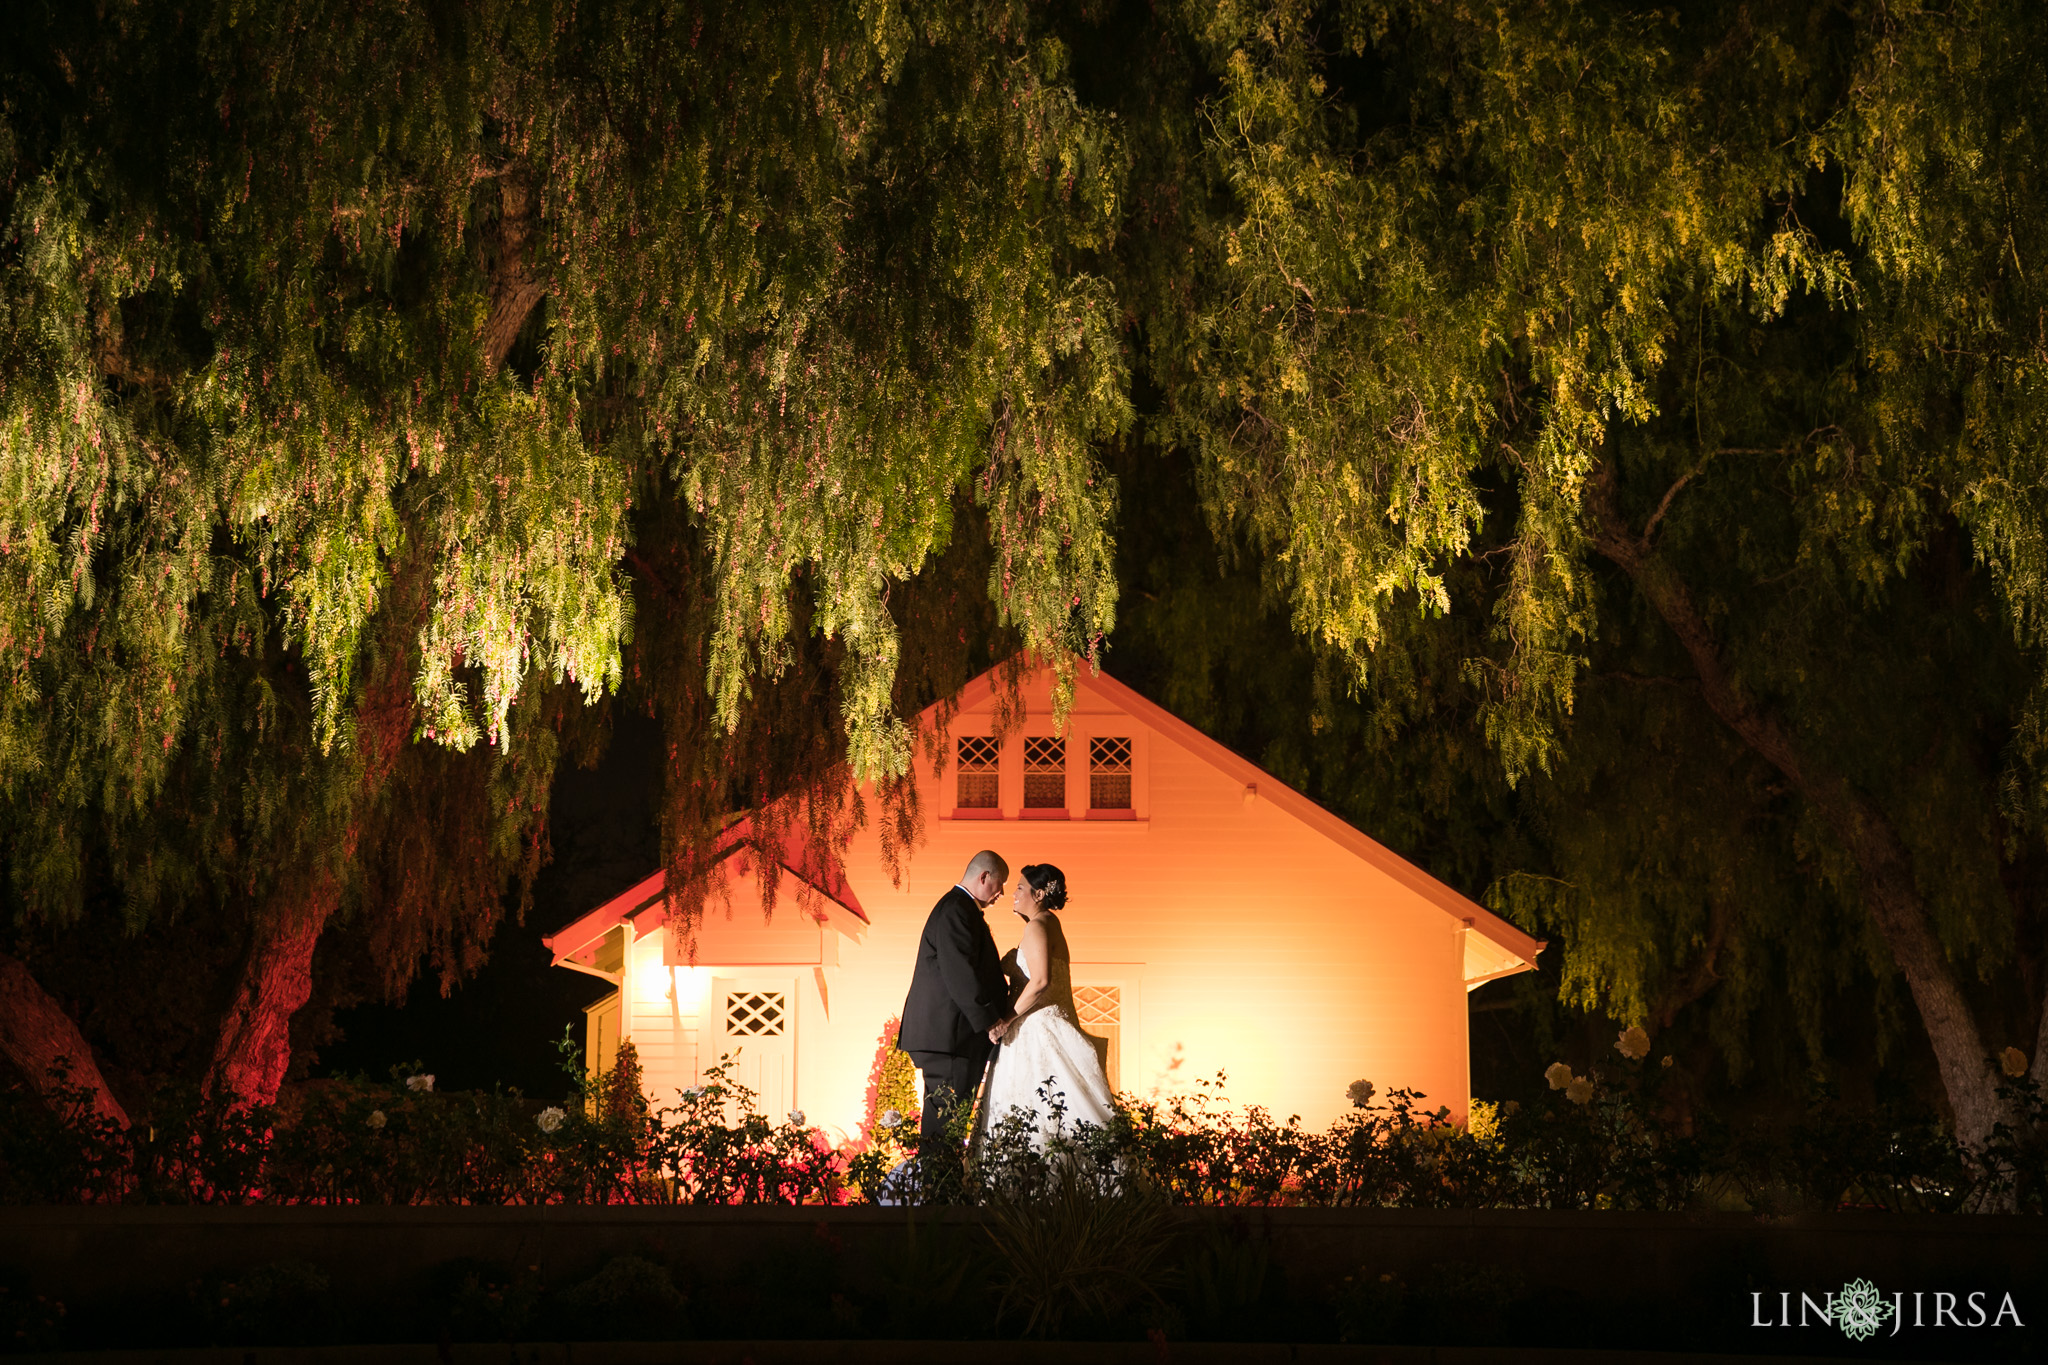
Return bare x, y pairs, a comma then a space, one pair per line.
1860, 1310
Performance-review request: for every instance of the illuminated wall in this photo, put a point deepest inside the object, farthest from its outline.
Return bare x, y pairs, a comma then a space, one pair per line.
1233, 935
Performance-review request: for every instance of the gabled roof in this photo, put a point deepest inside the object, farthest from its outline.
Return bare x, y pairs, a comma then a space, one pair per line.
1505, 950
645, 906
1494, 949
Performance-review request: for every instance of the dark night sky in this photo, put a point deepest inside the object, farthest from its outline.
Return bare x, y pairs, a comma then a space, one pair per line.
500, 1027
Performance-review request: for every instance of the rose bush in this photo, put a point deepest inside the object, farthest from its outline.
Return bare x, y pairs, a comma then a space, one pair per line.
1608, 1139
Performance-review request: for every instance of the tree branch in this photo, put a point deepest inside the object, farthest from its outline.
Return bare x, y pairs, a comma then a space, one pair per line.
1664, 505
516, 284
1702, 978
1890, 892
653, 576
43, 1042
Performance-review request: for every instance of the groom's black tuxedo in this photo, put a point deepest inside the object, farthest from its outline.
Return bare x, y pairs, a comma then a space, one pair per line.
957, 989
957, 992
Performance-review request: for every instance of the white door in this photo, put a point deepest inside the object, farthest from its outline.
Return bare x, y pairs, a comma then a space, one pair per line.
757, 1034
1106, 1008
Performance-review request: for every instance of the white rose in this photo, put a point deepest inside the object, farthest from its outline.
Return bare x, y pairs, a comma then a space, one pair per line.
377, 1119
550, 1119
419, 1084
796, 1117
891, 1119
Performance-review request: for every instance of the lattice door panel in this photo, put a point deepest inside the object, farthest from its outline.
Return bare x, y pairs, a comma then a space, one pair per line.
753, 1031
756, 1014
1099, 1010
1098, 1005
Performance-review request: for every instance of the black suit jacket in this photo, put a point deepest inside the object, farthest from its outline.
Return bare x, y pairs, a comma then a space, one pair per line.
957, 990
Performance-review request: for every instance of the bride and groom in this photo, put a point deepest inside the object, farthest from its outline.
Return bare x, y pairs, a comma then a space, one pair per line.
961, 1009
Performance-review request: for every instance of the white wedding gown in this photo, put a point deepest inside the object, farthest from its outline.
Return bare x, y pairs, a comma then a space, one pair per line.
1048, 1053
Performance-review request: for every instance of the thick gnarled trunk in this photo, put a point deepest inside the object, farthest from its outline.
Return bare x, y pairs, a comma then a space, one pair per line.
1883, 865
516, 284
253, 1051
43, 1043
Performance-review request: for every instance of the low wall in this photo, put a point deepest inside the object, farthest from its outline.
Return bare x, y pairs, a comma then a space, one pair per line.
1675, 1281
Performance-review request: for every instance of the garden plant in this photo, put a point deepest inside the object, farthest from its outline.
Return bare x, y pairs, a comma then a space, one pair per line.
1606, 1140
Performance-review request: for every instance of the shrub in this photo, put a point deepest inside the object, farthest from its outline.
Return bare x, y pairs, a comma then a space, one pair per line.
284, 1303
1596, 1141
1074, 1245
630, 1299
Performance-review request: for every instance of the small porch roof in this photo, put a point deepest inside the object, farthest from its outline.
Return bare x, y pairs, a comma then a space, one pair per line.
644, 905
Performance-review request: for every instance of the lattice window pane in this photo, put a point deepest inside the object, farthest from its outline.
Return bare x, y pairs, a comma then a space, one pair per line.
757, 1014
1109, 773
978, 755
1045, 773
1098, 1005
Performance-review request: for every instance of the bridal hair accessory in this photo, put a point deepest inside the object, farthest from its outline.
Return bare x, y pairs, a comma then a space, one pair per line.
1049, 882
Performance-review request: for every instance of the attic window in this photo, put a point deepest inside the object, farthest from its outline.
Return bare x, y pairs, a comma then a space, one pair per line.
977, 789
1109, 773
1045, 773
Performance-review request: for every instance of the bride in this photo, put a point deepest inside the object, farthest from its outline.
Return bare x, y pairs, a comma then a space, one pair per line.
1047, 1066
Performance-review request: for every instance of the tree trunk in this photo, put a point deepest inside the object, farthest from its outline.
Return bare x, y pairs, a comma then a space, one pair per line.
1883, 865
2039, 1073
39, 1038
254, 1049
516, 286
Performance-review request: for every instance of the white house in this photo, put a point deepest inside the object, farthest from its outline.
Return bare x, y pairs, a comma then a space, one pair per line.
1219, 921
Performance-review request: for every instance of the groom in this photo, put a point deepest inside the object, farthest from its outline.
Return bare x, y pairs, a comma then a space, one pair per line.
958, 996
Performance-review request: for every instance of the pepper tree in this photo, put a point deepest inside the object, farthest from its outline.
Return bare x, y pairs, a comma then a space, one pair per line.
383, 383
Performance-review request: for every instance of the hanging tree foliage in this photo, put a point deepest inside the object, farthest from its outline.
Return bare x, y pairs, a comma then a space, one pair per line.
381, 385
1709, 319
797, 289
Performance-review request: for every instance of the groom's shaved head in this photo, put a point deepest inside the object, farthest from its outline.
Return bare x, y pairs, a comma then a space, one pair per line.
988, 860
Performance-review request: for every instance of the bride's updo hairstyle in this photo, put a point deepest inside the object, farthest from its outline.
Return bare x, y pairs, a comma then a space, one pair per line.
1049, 882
